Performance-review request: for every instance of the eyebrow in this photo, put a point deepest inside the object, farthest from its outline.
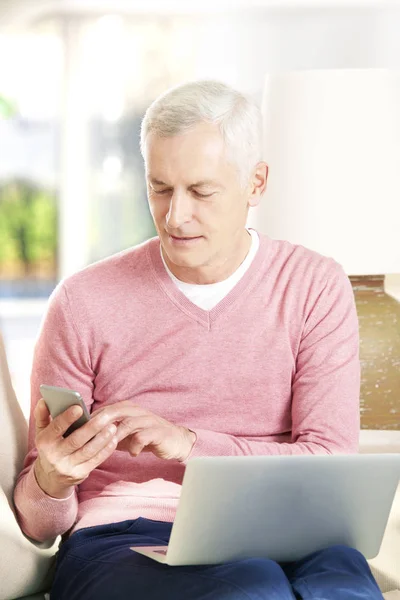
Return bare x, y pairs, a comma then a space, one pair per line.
156, 181
203, 182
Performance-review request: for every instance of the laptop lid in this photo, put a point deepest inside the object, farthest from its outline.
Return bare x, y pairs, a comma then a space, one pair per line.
281, 507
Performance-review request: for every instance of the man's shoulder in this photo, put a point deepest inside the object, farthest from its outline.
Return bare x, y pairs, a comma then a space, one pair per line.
302, 263
122, 267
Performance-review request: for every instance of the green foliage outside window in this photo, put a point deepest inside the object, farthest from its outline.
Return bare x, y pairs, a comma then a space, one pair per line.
28, 228
8, 108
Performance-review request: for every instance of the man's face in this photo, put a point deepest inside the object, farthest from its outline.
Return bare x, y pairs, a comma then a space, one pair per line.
194, 192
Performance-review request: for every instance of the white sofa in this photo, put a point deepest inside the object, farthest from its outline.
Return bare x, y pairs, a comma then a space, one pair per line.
26, 567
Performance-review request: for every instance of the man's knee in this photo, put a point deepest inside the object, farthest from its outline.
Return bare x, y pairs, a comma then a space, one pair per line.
257, 574
342, 551
262, 567
343, 558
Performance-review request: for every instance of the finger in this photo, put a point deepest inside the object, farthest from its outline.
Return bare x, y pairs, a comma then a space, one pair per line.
95, 445
86, 467
129, 445
121, 410
142, 441
84, 434
132, 425
62, 422
42, 416
124, 444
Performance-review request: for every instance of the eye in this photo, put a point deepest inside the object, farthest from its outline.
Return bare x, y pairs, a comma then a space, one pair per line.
160, 191
203, 195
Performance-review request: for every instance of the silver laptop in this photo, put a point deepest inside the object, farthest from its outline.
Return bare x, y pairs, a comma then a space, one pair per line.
280, 507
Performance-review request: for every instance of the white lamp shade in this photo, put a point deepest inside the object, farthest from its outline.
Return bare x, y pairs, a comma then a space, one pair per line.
332, 143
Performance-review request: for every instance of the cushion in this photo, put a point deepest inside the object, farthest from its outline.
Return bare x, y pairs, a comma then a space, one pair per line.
386, 566
25, 566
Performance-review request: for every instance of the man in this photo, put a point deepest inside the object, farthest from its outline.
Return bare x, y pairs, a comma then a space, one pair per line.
208, 339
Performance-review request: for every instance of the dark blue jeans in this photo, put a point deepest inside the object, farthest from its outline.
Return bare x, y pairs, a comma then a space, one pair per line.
96, 564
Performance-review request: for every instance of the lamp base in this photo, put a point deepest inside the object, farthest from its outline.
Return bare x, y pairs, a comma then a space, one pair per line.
379, 320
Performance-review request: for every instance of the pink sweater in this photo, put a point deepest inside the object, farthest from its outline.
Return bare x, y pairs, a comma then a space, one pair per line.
272, 369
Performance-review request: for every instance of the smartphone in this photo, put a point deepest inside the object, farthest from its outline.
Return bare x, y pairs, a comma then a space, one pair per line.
58, 399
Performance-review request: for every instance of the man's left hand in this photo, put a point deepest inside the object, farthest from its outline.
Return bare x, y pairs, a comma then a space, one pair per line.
139, 430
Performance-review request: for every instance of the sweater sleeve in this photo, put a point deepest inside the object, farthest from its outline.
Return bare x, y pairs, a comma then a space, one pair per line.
60, 358
325, 387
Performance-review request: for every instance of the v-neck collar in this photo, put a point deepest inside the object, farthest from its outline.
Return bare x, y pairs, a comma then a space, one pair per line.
177, 297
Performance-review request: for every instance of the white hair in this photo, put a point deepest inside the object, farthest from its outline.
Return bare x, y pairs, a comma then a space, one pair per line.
239, 119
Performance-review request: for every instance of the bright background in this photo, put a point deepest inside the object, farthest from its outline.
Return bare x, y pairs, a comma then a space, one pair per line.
75, 80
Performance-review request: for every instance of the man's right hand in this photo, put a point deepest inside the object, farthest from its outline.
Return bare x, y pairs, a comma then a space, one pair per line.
62, 462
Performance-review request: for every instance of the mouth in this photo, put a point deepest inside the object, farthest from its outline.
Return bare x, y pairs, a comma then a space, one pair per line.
184, 238
184, 241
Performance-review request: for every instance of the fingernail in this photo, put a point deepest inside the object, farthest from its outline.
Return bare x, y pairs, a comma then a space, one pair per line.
76, 411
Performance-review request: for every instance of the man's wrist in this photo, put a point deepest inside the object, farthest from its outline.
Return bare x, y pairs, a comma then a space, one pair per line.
190, 438
46, 487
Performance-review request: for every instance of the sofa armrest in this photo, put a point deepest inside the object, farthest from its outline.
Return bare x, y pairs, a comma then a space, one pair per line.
26, 566
386, 566
374, 441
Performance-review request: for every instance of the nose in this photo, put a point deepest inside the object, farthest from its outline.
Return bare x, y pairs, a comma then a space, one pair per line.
180, 211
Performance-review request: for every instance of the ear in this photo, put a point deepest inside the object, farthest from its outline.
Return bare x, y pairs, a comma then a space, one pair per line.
258, 183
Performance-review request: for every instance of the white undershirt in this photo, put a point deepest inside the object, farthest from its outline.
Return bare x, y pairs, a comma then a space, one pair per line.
209, 295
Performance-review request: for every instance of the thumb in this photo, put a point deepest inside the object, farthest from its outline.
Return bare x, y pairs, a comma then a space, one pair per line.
42, 416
